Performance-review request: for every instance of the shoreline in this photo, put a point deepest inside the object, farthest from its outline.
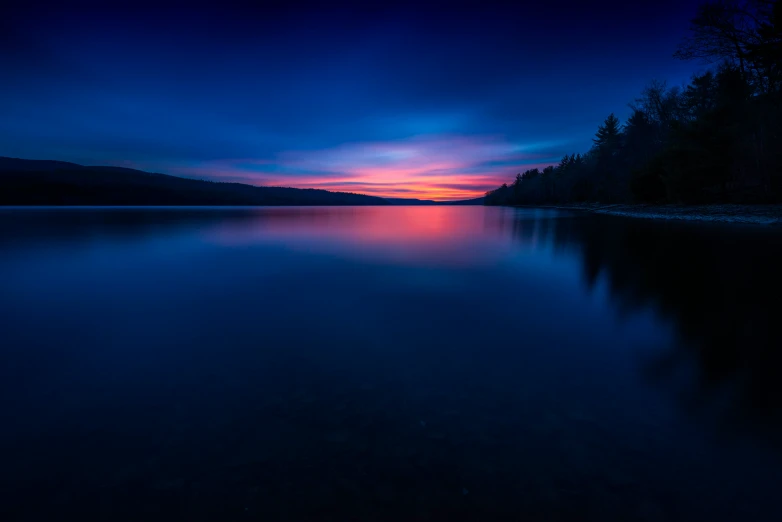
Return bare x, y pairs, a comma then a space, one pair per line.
721, 213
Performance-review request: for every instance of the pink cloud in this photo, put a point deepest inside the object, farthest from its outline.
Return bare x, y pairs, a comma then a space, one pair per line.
430, 167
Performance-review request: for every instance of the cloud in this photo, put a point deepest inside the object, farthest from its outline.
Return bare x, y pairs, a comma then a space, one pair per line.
441, 167
388, 99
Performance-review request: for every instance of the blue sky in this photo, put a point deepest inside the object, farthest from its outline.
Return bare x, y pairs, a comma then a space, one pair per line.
405, 100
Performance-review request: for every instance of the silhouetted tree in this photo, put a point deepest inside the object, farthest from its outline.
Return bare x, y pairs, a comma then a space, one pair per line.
608, 135
719, 138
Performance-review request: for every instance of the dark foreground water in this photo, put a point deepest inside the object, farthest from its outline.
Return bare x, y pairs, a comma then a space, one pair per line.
379, 364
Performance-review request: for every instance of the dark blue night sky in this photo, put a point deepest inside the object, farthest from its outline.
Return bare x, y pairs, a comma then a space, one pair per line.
403, 100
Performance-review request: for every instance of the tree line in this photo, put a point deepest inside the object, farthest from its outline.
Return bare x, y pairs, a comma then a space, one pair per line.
717, 139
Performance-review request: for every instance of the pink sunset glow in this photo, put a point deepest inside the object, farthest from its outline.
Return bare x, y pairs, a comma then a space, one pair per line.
440, 168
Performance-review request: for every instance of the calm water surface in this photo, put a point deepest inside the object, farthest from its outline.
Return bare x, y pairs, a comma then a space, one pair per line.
386, 363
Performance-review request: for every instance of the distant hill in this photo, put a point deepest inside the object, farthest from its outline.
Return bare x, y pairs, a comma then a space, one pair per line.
45, 182
474, 201
411, 201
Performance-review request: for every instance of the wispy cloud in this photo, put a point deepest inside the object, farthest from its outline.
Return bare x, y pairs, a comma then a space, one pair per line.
441, 167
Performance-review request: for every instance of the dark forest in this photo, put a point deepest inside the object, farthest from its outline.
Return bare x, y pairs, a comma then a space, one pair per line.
714, 140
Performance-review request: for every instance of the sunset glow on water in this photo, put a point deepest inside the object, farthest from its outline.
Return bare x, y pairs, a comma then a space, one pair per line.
377, 363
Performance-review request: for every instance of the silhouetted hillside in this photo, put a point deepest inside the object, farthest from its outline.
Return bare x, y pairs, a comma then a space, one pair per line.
43, 182
410, 201
474, 201
413, 201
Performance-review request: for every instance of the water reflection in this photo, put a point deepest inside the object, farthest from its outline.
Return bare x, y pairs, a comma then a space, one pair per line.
719, 286
386, 363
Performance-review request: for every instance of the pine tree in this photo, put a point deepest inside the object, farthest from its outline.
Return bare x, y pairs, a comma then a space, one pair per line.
607, 137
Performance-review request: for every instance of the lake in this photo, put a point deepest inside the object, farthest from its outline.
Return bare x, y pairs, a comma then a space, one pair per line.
387, 363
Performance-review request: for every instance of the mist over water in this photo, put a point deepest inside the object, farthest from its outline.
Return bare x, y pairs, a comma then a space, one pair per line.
386, 363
